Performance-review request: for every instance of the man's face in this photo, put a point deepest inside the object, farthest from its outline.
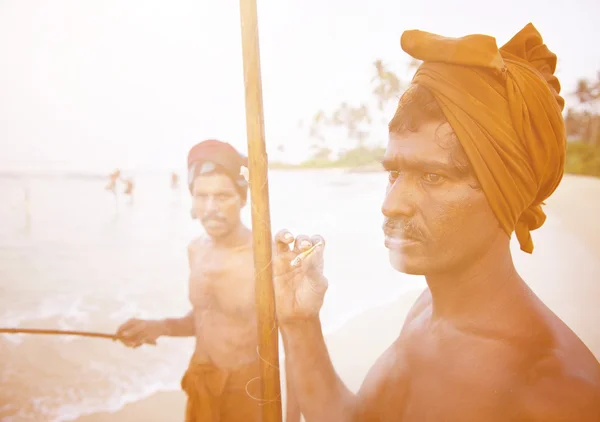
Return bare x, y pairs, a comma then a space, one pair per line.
437, 219
216, 203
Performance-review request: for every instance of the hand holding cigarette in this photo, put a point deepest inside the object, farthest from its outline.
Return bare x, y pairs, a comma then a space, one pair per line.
298, 280
296, 261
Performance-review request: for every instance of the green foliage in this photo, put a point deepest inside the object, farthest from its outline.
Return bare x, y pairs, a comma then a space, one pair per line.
361, 156
583, 158
358, 121
354, 158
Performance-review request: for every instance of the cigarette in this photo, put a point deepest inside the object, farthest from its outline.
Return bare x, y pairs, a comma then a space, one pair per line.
296, 261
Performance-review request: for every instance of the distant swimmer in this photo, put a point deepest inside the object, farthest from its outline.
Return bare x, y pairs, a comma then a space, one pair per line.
112, 186
174, 181
112, 183
129, 186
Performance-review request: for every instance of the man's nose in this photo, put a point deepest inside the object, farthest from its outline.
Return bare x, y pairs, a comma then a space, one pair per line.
212, 204
400, 198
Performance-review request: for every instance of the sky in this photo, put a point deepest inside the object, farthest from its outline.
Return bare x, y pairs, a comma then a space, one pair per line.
91, 85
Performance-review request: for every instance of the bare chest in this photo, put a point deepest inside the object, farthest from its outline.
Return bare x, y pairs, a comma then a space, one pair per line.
459, 388
438, 380
222, 281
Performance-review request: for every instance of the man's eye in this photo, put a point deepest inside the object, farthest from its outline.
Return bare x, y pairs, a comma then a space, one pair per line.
433, 178
393, 175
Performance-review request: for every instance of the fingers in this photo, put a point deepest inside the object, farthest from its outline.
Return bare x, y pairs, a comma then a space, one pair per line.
128, 325
283, 239
130, 328
316, 239
301, 249
140, 342
137, 342
133, 333
314, 259
302, 243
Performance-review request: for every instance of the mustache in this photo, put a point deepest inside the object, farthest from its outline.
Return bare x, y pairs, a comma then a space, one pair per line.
403, 228
212, 217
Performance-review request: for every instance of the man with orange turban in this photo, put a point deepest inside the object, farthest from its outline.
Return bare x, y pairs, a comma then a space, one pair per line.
476, 145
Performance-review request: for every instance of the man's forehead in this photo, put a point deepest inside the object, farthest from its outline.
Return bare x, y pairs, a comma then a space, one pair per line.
434, 141
431, 132
213, 182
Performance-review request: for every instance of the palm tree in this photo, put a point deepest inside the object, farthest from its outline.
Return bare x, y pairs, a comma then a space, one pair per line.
388, 85
357, 120
588, 94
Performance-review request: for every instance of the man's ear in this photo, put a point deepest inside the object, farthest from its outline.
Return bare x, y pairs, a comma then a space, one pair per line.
245, 173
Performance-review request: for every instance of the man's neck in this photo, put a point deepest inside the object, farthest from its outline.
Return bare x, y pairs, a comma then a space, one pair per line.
482, 288
240, 236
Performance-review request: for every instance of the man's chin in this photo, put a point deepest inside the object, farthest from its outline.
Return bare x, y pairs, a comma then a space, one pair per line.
217, 233
405, 264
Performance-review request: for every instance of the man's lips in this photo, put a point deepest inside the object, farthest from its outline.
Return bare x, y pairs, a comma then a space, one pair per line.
395, 238
394, 242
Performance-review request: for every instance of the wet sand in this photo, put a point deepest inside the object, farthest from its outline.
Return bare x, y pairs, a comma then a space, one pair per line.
572, 292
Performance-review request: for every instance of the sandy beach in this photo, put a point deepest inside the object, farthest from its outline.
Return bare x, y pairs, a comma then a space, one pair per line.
572, 291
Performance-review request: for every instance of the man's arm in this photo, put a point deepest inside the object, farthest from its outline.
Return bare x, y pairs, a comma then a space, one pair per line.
179, 327
136, 332
320, 393
292, 413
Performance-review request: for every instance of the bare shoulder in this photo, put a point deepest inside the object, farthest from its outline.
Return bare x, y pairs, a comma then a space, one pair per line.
391, 364
562, 388
383, 391
382, 395
561, 381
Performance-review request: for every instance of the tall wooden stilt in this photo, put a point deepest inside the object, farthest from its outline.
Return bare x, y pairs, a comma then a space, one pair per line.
268, 347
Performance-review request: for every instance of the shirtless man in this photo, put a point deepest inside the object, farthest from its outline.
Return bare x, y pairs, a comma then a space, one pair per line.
478, 345
222, 381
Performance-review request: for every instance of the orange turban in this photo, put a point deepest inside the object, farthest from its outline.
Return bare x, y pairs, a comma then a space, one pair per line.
505, 108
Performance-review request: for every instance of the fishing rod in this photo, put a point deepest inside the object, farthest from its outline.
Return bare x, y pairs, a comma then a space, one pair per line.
58, 332
113, 337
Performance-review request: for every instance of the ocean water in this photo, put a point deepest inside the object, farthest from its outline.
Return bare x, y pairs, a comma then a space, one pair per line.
72, 256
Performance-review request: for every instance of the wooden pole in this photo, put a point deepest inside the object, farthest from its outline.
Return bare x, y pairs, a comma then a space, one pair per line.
268, 334
57, 332
65, 333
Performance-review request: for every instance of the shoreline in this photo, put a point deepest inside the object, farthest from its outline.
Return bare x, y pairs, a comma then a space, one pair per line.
573, 300
167, 406
163, 406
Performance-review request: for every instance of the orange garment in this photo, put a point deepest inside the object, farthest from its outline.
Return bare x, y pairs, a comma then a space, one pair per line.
218, 395
505, 108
